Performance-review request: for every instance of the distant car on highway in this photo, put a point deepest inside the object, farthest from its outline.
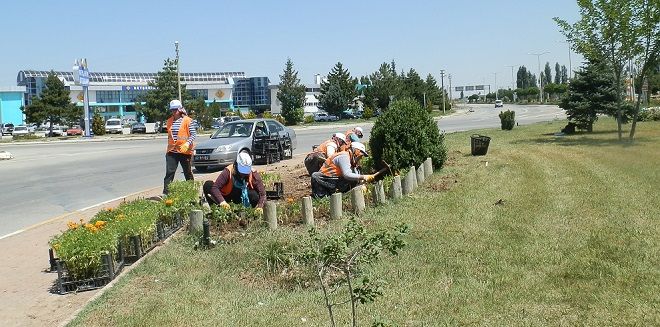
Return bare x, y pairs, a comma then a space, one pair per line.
243, 136
113, 125
7, 129
138, 128
20, 130
499, 104
74, 130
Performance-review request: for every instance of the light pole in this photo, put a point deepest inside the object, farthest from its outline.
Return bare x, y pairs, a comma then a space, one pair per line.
513, 81
496, 98
178, 74
442, 77
538, 58
451, 96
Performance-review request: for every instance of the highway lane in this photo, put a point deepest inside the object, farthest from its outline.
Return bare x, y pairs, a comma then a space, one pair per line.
48, 180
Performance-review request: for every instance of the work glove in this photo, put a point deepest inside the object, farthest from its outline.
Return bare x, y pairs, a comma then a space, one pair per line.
259, 211
369, 178
225, 205
184, 147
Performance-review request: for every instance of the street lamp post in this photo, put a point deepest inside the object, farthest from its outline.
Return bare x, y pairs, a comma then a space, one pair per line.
442, 77
496, 97
451, 96
513, 81
178, 74
538, 58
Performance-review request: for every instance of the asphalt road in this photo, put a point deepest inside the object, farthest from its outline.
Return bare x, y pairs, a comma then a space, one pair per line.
47, 180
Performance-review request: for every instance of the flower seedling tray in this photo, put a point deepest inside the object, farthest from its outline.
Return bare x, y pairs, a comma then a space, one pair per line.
110, 268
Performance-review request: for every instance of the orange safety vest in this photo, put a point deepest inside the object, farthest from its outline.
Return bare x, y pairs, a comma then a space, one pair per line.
323, 148
331, 169
226, 190
182, 136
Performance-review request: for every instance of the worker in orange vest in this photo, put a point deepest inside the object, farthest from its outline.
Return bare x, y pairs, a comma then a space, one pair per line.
354, 135
181, 135
237, 183
339, 172
315, 159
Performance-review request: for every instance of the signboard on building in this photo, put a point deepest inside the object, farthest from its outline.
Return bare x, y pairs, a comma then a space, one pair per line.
137, 88
469, 88
458, 89
479, 87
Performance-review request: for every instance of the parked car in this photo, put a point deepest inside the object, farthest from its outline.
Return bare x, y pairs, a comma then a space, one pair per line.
20, 130
74, 130
138, 128
322, 116
347, 115
7, 129
113, 125
499, 104
242, 135
57, 130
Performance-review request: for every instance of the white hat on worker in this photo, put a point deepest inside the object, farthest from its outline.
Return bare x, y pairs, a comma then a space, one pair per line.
340, 136
244, 163
358, 130
175, 104
361, 147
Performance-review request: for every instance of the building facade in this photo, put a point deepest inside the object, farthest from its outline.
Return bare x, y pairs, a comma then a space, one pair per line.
115, 94
11, 101
251, 92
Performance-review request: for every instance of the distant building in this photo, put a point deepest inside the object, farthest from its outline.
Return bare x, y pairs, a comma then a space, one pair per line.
251, 92
312, 92
11, 100
115, 94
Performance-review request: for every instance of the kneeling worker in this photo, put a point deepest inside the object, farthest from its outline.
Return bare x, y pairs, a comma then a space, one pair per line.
315, 160
238, 183
338, 173
354, 135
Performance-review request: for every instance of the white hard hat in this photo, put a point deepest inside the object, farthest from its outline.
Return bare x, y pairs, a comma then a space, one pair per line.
359, 131
175, 104
360, 146
244, 163
340, 136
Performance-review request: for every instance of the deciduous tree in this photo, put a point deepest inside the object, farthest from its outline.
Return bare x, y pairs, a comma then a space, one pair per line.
53, 105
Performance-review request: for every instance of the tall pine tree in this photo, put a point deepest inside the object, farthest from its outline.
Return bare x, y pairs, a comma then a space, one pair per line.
291, 94
557, 73
343, 91
165, 89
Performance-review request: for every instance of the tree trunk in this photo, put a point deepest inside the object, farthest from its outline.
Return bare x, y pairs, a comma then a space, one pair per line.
618, 104
636, 115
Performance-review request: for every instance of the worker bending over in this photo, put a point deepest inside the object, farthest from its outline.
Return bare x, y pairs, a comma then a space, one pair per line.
338, 172
315, 159
238, 183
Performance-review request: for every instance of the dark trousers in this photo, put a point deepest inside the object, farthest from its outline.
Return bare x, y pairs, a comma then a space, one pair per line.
323, 186
314, 161
172, 161
234, 197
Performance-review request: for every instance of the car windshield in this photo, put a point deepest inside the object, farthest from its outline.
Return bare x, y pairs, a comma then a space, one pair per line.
239, 129
20, 128
113, 122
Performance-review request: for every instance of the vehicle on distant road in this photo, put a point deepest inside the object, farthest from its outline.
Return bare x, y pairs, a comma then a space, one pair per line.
244, 136
138, 128
348, 114
57, 130
20, 130
499, 104
74, 130
322, 116
113, 125
7, 129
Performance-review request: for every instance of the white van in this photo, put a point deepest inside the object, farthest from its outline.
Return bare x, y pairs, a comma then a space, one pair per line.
113, 125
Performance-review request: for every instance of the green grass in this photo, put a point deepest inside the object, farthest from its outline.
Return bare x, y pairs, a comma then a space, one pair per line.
575, 242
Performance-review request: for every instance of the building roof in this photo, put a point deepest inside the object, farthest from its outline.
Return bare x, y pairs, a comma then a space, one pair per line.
99, 77
20, 89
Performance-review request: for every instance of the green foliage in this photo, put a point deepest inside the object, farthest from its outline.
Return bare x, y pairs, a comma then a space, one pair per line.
198, 110
268, 115
278, 255
270, 178
338, 91
547, 74
525, 78
309, 119
249, 115
156, 107
98, 125
384, 83
507, 119
185, 195
280, 119
405, 135
53, 105
414, 87
368, 112
291, 94
338, 259
650, 114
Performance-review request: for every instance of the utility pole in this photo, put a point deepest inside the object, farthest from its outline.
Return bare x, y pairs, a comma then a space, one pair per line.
538, 58
451, 96
513, 81
496, 98
178, 74
442, 77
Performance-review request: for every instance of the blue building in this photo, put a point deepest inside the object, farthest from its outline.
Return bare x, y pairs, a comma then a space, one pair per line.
11, 101
251, 92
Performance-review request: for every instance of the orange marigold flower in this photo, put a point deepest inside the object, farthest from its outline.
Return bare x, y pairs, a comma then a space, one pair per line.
72, 225
91, 228
99, 224
169, 202
290, 200
108, 209
56, 247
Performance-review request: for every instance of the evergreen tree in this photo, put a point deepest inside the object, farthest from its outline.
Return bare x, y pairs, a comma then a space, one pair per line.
433, 94
521, 77
415, 86
291, 94
557, 73
564, 75
384, 83
53, 105
165, 89
343, 93
547, 74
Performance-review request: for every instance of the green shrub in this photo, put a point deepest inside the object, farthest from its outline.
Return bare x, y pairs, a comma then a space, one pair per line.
98, 125
280, 119
308, 119
368, 112
405, 135
649, 114
508, 119
268, 114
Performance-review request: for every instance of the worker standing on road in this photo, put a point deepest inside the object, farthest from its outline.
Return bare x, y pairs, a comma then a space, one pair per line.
237, 183
354, 135
180, 143
338, 173
315, 160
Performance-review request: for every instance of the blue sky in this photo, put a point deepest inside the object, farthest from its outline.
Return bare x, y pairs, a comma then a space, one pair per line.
469, 39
